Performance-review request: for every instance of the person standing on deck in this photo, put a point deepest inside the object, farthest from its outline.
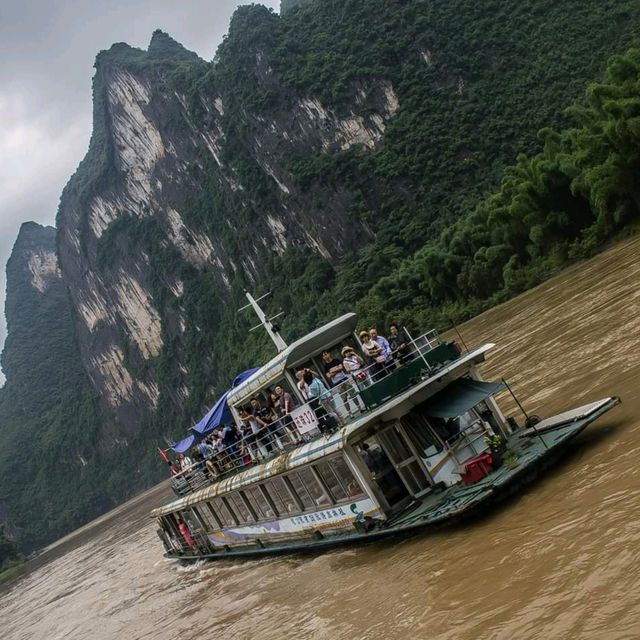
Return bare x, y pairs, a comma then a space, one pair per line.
335, 374
399, 343
287, 405
385, 358
320, 393
263, 416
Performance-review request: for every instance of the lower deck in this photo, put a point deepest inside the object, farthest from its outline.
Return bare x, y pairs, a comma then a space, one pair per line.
532, 450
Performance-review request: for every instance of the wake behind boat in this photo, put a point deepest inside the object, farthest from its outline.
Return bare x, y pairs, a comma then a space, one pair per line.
312, 450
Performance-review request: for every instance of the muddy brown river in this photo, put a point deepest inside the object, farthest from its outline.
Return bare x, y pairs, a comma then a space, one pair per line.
561, 560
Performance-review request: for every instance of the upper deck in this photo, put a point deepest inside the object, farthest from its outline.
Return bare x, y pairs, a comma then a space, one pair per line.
311, 430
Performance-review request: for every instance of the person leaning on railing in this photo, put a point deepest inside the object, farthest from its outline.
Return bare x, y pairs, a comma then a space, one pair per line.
287, 405
319, 394
385, 357
352, 364
264, 417
399, 343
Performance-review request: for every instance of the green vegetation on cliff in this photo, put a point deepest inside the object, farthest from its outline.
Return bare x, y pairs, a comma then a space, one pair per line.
476, 83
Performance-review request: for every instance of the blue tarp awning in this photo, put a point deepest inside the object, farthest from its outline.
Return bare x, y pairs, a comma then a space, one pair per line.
184, 445
220, 412
217, 415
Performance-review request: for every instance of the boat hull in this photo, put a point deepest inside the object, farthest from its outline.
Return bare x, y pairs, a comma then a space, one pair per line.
534, 450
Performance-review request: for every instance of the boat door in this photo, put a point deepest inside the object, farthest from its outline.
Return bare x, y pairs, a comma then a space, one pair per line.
406, 460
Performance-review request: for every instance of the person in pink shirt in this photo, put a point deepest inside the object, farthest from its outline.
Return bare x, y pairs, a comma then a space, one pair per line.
186, 534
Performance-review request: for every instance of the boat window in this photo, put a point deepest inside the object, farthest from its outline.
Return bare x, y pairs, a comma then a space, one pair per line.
222, 511
212, 514
315, 489
421, 433
301, 490
325, 470
171, 524
396, 446
190, 520
267, 503
281, 497
205, 517
257, 502
339, 479
466, 419
239, 507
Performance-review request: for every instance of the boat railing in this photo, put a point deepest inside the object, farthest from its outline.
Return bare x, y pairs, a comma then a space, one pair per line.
301, 425
319, 416
468, 437
417, 347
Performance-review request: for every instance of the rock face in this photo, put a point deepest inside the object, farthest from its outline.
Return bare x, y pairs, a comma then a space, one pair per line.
155, 151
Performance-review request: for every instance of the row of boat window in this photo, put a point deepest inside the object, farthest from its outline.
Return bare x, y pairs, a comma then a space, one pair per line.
322, 484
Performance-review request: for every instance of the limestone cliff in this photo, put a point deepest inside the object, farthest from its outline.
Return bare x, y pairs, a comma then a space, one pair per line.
155, 151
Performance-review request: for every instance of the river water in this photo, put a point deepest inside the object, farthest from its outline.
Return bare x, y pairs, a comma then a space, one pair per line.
561, 560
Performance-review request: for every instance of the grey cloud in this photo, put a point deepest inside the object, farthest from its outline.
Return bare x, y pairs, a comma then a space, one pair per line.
46, 66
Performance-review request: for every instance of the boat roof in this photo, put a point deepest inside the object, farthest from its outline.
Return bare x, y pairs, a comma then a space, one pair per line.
326, 445
296, 353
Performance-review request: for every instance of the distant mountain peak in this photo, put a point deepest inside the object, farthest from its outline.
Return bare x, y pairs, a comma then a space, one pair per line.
162, 45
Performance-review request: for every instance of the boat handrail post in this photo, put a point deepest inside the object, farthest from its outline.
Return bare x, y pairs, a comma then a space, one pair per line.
455, 328
513, 395
417, 348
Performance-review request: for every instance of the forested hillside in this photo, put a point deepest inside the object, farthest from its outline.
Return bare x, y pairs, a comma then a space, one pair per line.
48, 414
377, 155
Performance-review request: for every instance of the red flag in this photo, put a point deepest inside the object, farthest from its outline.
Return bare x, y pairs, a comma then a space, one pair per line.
163, 454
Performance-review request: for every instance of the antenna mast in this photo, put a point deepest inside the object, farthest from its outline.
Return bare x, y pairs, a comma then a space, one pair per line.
265, 322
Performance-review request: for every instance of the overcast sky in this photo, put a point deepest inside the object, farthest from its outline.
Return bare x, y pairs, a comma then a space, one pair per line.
47, 49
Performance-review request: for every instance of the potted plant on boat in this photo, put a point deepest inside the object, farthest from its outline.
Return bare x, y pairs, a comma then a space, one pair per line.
497, 447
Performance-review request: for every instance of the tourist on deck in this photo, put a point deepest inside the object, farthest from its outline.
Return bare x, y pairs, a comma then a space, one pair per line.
353, 364
205, 449
287, 402
335, 375
353, 367
274, 404
185, 462
333, 369
320, 394
372, 350
212, 469
385, 358
302, 385
287, 405
264, 414
399, 343
259, 420
173, 469
229, 437
273, 428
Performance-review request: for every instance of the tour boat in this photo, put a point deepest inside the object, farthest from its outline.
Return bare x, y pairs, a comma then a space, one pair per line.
416, 442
